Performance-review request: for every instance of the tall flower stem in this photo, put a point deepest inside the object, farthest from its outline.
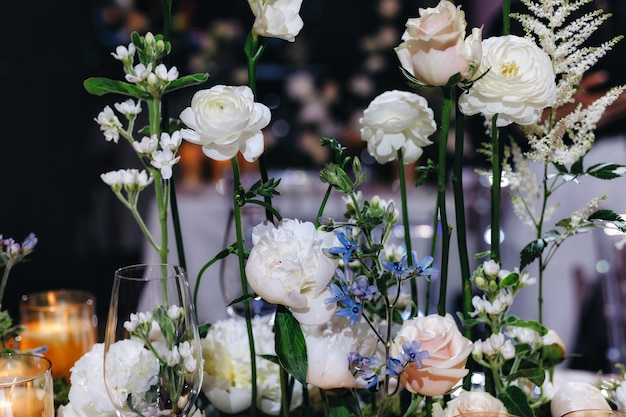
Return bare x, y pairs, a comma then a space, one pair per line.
161, 186
506, 20
180, 250
254, 49
242, 274
459, 211
441, 198
407, 224
496, 178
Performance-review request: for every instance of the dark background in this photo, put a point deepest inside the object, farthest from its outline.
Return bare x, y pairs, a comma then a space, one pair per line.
52, 153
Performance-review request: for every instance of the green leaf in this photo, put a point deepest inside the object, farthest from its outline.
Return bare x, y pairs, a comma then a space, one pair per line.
561, 168
343, 404
516, 402
606, 171
290, 344
512, 320
100, 86
531, 251
203, 329
535, 375
186, 81
577, 167
510, 279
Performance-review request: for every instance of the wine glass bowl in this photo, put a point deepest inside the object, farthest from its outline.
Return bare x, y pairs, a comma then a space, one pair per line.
152, 352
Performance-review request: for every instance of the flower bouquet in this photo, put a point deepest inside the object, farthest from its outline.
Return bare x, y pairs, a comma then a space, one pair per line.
351, 334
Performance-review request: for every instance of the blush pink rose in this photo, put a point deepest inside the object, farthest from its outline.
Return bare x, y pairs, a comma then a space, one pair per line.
448, 350
435, 48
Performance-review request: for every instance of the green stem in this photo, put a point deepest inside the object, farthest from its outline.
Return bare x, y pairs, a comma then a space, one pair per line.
254, 50
506, 20
5, 278
244, 282
441, 199
496, 177
161, 187
459, 211
407, 226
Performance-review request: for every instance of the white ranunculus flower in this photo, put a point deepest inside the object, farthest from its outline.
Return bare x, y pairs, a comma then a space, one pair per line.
328, 347
287, 266
277, 18
397, 120
518, 85
227, 376
226, 120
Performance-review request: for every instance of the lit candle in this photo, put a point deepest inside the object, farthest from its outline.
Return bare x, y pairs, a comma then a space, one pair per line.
63, 322
26, 387
65, 340
25, 402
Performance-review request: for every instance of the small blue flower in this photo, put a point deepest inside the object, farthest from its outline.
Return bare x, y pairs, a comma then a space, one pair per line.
361, 291
352, 310
371, 379
348, 246
413, 354
423, 267
340, 293
394, 366
398, 268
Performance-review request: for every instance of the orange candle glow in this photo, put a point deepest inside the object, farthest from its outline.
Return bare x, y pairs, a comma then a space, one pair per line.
66, 341
25, 402
62, 321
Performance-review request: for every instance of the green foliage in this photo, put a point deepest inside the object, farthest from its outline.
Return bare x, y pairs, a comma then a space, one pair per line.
290, 344
516, 402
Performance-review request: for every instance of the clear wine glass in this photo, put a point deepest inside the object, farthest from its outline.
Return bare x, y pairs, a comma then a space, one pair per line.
152, 352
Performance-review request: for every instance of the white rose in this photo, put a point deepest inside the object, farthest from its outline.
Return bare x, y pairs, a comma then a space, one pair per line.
474, 401
518, 85
397, 120
448, 350
328, 347
574, 396
226, 120
287, 266
277, 18
435, 47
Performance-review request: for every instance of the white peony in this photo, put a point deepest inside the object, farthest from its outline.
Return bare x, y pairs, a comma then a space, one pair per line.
131, 370
518, 85
328, 347
88, 395
287, 266
397, 120
226, 120
227, 376
277, 18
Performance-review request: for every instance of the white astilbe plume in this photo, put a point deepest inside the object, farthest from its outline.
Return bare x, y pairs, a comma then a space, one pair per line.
561, 140
578, 126
564, 43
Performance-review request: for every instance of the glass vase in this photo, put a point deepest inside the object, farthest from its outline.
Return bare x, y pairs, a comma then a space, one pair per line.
152, 352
